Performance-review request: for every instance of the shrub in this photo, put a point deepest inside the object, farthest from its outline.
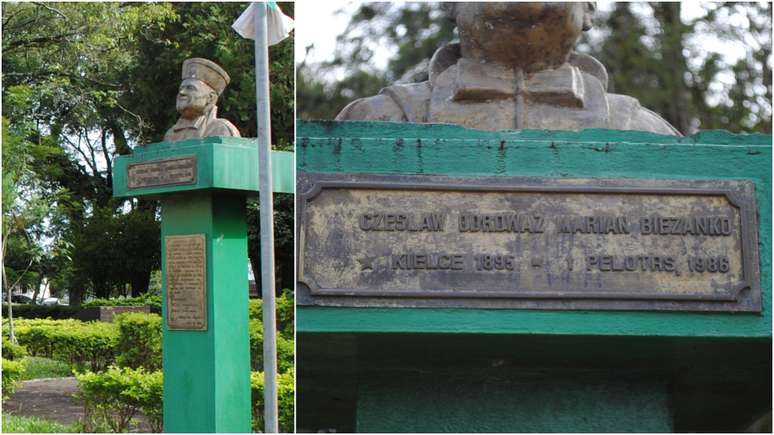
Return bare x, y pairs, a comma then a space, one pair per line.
139, 340
285, 349
12, 373
81, 344
285, 395
13, 351
29, 311
112, 398
285, 312
285, 306
154, 301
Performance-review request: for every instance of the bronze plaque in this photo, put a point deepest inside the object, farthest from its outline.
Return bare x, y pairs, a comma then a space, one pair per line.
528, 243
186, 273
167, 172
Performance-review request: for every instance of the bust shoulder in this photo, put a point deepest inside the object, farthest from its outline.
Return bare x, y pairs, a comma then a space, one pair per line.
221, 127
626, 113
403, 102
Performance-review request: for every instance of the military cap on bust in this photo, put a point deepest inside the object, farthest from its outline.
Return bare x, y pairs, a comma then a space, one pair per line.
207, 71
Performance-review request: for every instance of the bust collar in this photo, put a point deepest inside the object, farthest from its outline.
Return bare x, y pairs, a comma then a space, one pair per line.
199, 123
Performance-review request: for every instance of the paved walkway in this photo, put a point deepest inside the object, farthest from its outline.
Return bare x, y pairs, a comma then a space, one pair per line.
52, 399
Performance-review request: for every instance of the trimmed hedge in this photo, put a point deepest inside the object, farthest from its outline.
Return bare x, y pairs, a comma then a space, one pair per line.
13, 351
29, 311
285, 348
154, 301
139, 340
112, 398
285, 397
12, 373
285, 306
79, 343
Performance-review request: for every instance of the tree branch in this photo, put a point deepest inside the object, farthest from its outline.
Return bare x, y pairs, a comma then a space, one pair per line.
54, 10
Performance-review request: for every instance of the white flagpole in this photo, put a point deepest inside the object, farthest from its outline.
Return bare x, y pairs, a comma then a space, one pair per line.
266, 216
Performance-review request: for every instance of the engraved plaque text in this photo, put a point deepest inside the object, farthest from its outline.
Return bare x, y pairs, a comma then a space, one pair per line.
529, 243
162, 173
186, 275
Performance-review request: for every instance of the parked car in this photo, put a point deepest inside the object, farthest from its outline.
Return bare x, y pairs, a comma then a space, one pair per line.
51, 301
21, 299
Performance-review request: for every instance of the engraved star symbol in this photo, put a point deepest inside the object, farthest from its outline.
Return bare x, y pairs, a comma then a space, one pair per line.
366, 263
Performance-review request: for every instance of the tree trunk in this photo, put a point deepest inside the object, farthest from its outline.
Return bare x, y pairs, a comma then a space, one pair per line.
140, 283
673, 33
37, 290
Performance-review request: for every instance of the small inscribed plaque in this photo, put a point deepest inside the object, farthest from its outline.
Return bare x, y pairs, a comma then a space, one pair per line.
496, 242
186, 270
162, 173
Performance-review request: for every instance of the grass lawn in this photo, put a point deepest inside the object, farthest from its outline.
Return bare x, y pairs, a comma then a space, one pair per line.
39, 368
19, 424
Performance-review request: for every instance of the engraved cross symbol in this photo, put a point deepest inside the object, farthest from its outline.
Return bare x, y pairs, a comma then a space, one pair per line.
366, 263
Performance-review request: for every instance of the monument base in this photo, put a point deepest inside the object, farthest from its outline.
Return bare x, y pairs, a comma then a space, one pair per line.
207, 372
203, 185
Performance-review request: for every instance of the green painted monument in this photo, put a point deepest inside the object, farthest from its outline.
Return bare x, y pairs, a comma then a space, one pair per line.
518, 250
439, 308
203, 182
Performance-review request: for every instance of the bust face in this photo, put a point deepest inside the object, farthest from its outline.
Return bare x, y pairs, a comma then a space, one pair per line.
531, 36
194, 98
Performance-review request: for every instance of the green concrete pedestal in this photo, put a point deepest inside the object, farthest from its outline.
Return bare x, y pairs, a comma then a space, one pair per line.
207, 371
399, 369
497, 400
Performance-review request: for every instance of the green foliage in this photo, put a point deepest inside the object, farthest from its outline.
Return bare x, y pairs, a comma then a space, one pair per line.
283, 240
22, 424
285, 348
79, 343
96, 250
113, 397
672, 67
29, 311
285, 306
85, 82
13, 351
42, 368
139, 340
285, 399
12, 373
154, 301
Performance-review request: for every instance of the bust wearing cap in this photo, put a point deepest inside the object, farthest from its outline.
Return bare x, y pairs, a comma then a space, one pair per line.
514, 67
203, 82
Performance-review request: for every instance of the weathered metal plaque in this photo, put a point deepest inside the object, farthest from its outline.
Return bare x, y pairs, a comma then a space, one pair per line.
186, 270
528, 243
167, 172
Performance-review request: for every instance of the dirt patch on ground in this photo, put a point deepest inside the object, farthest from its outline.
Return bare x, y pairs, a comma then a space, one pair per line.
52, 399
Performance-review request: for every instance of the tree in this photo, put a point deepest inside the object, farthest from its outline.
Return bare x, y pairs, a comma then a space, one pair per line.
88, 81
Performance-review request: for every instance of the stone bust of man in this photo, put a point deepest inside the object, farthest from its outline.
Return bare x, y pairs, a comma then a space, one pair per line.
514, 67
203, 82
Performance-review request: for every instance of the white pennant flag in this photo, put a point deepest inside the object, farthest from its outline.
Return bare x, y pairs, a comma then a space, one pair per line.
278, 24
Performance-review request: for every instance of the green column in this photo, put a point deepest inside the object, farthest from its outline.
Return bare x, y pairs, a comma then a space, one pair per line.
207, 373
202, 185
